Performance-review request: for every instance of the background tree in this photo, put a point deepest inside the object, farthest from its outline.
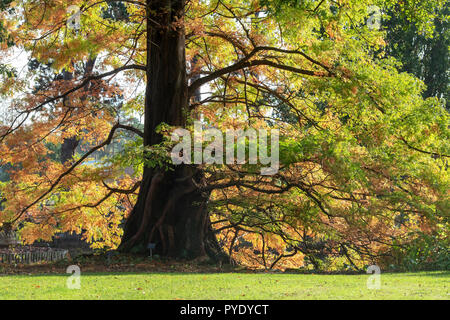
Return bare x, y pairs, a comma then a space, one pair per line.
424, 55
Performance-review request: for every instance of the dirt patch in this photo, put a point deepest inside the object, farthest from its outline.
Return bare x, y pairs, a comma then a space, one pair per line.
119, 263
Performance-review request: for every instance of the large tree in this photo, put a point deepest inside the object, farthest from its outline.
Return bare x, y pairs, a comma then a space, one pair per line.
362, 155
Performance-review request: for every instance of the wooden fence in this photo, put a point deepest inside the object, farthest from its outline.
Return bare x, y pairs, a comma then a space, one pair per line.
32, 256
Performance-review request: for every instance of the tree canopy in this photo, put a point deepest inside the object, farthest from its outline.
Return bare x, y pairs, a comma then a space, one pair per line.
363, 155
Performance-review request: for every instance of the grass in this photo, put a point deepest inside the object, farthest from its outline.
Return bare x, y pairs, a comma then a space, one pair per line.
233, 286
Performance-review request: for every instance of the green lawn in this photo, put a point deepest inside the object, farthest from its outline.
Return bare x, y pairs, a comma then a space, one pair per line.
432, 285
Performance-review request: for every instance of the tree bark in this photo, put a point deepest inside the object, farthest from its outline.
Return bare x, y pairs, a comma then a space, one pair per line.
170, 211
70, 144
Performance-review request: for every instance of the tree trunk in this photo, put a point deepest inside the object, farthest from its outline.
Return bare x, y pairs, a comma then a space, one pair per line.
70, 144
170, 211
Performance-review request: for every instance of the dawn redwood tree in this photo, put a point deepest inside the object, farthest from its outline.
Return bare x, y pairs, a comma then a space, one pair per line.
359, 169
170, 210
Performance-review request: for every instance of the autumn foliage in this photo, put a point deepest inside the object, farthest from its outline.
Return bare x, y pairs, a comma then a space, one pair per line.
363, 156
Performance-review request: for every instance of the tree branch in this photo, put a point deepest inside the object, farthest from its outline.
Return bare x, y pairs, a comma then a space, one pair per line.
68, 171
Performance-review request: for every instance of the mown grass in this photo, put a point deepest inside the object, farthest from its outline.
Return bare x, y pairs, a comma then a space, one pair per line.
168, 286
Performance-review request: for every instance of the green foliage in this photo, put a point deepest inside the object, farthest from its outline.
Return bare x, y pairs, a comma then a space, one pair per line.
7, 71
424, 55
4, 36
419, 14
426, 252
157, 156
116, 10
130, 156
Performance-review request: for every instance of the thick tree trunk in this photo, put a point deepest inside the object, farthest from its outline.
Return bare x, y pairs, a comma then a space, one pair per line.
170, 211
68, 149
